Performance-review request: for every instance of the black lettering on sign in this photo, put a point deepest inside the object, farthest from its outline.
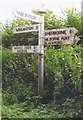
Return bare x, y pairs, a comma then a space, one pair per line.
65, 38
22, 51
27, 47
26, 15
36, 27
46, 33
33, 17
18, 47
21, 29
54, 38
56, 32
56, 42
30, 28
29, 16
20, 13
64, 32
46, 39
35, 48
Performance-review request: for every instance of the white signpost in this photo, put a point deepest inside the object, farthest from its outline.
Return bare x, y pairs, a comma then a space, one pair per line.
39, 49
24, 29
28, 16
48, 37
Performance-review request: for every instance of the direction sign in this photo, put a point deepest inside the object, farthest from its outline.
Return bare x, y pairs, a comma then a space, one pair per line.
24, 29
61, 40
27, 49
60, 36
60, 32
28, 16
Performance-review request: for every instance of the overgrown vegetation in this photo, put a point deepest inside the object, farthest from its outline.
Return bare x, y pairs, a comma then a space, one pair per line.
62, 74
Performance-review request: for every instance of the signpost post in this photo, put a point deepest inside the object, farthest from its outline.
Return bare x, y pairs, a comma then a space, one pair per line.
41, 56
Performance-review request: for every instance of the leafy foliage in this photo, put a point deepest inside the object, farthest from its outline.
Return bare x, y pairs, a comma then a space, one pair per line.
72, 19
62, 82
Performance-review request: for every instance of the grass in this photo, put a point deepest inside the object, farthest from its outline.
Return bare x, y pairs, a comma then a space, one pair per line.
16, 111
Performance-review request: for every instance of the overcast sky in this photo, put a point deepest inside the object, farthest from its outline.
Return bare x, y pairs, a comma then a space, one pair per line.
9, 6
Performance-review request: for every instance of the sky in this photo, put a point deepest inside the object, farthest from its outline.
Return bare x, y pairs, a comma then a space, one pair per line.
8, 7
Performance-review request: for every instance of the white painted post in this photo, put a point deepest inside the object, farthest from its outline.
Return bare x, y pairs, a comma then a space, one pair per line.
41, 56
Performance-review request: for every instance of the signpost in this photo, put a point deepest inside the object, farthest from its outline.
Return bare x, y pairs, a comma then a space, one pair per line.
40, 49
48, 37
24, 29
28, 16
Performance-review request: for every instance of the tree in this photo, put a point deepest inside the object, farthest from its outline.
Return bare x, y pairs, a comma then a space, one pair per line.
72, 18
